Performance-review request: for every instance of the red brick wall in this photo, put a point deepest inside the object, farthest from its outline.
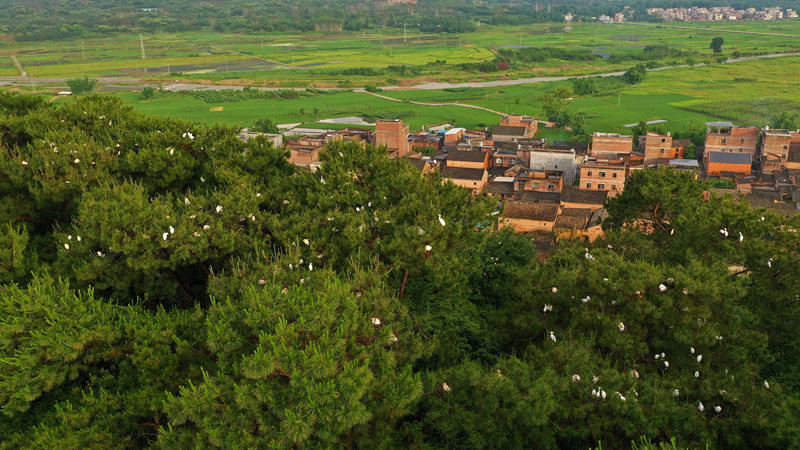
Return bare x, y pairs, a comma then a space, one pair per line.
394, 135
738, 138
715, 168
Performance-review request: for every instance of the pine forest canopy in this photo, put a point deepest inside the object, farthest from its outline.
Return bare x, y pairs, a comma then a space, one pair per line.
58, 19
165, 284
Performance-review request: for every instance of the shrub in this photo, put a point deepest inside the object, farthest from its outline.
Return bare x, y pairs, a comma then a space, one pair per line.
83, 85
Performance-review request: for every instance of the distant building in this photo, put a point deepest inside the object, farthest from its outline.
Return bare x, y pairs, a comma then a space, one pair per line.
394, 135
555, 159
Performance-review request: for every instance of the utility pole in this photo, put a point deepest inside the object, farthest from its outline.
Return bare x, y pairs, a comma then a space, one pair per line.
405, 37
262, 41
83, 49
619, 100
141, 42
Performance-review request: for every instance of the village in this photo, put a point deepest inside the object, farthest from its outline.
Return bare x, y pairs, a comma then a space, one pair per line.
557, 189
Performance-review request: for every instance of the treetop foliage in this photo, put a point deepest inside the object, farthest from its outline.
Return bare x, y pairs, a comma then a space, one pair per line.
165, 284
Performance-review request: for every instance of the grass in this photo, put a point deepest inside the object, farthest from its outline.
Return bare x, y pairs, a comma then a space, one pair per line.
663, 95
288, 110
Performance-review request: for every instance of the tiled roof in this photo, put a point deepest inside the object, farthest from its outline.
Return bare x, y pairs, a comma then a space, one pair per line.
539, 197
584, 197
729, 158
466, 155
460, 173
531, 211
509, 131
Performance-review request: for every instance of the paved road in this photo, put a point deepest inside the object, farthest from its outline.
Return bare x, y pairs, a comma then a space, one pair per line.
122, 83
22, 71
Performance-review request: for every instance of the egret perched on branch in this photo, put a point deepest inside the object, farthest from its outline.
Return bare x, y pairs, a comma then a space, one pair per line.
219, 209
441, 221
700, 407
552, 336
699, 358
662, 288
576, 378
547, 308
445, 387
553, 289
375, 321
718, 409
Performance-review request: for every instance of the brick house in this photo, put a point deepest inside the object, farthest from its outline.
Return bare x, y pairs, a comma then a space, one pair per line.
729, 138
514, 120
540, 180
576, 198
502, 134
603, 175
776, 148
728, 165
524, 217
468, 159
473, 179
394, 135
420, 141
566, 161
657, 146
611, 144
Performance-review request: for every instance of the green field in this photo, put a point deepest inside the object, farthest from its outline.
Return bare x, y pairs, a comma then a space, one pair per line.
319, 58
662, 96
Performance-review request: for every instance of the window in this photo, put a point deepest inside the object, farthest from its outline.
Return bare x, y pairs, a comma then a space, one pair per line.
663, 140
613, 174
589, 173
662, 151
601, 186
786, 147
613, 187
740, 150
474, 183
535, 185
588, 185
742, 140
724, 140
602, 174
550, 186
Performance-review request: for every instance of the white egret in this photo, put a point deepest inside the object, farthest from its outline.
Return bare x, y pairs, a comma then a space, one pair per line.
375, 321
428, 248
547, 308
741, 237
553, 337
219, 209
586, 299
662, 288
676, 393
576, 378
666, 364
696, 374
66, 246
186, 200
171, 230
691, 350
718, 409
206, 227
766, 384
699, 358
165, 236
603, 394
310, 267
700, 407
553, 289
445, 387
621, 326
441, 221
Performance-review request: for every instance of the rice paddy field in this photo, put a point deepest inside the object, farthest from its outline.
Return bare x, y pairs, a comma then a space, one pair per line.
319, 58
679, 96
